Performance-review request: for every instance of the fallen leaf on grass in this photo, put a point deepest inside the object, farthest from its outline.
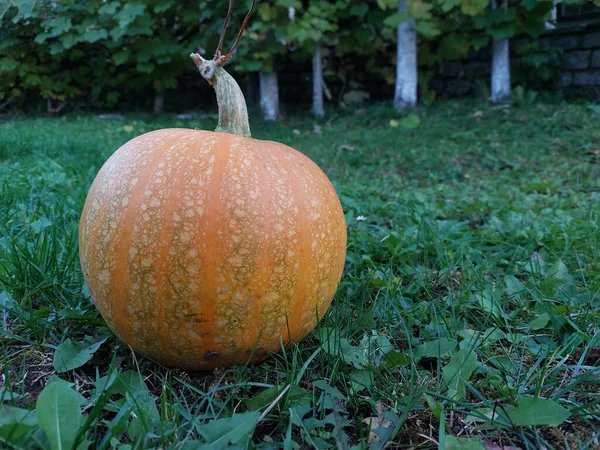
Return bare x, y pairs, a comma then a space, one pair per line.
348, 148
478, 115
377, 422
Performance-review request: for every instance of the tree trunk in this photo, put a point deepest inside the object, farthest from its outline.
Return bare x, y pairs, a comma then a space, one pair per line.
269, 95
405, 95
159, 101
500, 83
551, 24
317, 66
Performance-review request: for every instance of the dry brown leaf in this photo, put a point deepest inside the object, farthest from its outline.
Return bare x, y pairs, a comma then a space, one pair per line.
478, 115
376, 422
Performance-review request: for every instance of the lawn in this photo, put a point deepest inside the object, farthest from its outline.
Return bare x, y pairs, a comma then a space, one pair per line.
468, 316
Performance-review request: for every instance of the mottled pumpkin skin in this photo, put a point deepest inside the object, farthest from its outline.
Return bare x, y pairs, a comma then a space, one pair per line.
204, 249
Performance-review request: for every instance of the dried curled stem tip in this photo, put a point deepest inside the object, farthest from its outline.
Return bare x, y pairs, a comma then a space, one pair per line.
206, 67
233, 115
219, 59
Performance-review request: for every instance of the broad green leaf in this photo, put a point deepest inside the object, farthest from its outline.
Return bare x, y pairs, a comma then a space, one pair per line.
328, 389
266, 397
396, 359
146, 419
489, 301
132, 383
25, 7
537, 411
361, 379
396, 19
359, 9
70, 355
191, 445
503, 31
479, 41
387, 4
42, 37
473, 7
559, 272
59, 414
59, 25
513, 286
448, 5
410, 121
458, 371
435, 349
540, 321
120, 57
7, 302
40, 224
15, 423
68, 40
462, 443
109, 8
427, 29
235, 430
129, 12
94, 34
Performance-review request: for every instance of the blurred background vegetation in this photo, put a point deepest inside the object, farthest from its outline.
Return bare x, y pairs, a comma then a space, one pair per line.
131, 55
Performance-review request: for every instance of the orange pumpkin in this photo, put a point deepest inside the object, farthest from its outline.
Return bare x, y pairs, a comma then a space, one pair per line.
207, 249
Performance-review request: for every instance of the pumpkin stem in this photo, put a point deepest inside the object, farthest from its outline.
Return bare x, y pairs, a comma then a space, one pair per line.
233, 115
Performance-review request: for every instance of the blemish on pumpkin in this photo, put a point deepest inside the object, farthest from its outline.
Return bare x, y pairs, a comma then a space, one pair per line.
211, 355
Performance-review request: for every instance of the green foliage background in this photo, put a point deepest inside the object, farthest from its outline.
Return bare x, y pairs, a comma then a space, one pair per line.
114, 53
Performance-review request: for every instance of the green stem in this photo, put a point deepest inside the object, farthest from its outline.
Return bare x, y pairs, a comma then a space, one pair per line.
233, 114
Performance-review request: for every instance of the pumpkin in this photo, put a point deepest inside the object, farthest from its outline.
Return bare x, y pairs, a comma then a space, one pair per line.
207, 249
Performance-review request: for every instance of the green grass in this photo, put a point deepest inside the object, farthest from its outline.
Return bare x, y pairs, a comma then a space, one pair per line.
469, 305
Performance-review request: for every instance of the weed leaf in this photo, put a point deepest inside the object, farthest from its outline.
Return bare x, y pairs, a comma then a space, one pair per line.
460, 443
59, 415
70, 355
460, 368
15, 423
266, 397
235, 430
537, 411
435, 349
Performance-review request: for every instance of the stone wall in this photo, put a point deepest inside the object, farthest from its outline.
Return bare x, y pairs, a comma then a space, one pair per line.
581, 46
577, 69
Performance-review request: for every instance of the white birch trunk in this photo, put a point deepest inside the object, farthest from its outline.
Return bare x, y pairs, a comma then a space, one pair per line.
317, 66
500, 83
159, 101
269, 95
405, 94
551, 24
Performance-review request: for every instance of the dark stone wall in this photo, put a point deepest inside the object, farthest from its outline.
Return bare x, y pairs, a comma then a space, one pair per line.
577, 70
